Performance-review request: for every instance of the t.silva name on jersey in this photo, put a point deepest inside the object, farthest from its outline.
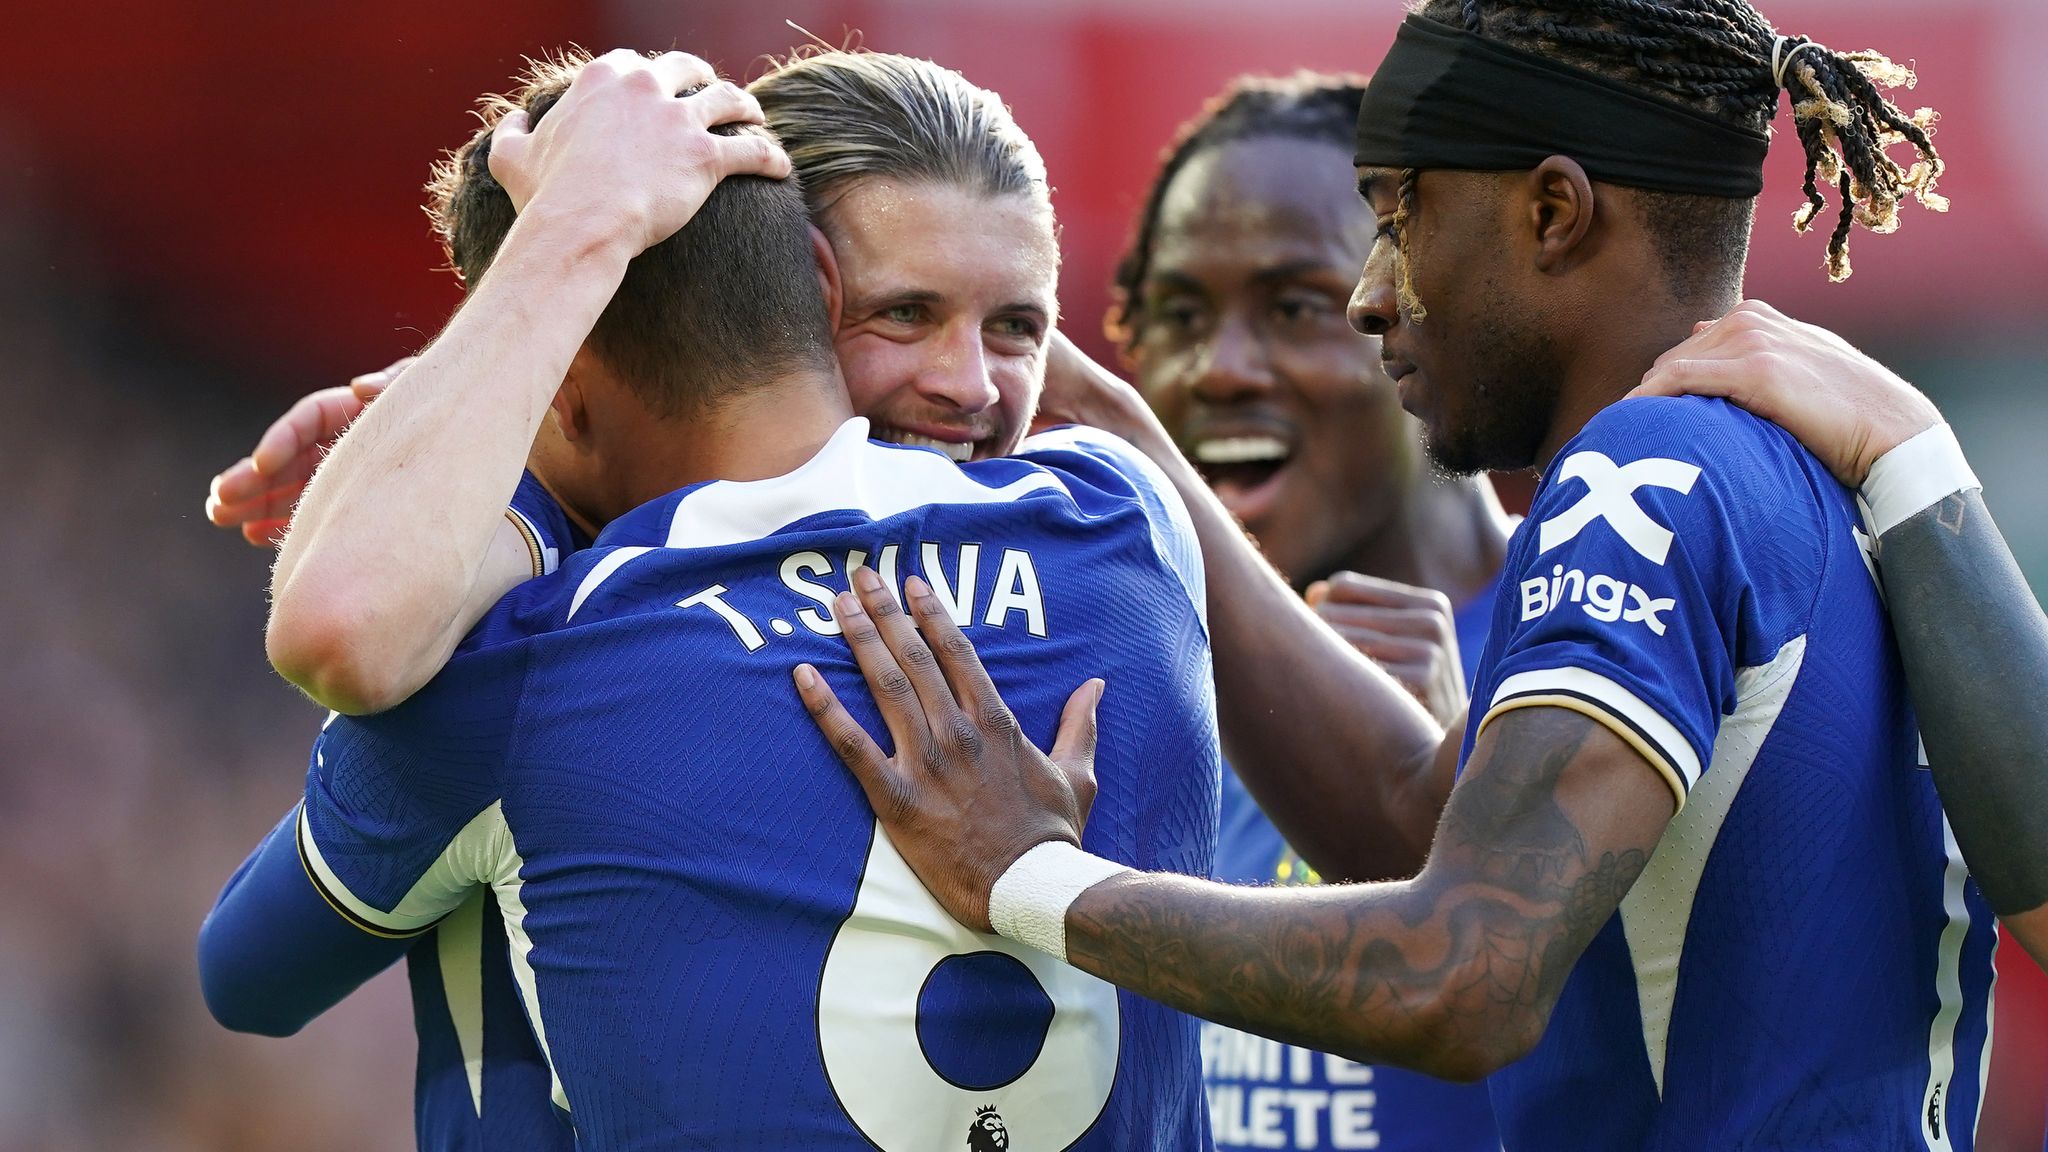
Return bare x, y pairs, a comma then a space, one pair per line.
953, 571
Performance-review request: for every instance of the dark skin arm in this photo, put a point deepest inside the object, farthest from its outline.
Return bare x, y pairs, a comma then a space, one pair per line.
1966, 621
1971, 634
1301, 712
1453, 973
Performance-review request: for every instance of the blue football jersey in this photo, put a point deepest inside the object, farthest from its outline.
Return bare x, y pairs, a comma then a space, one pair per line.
714, 942
1265, 1094
480, 1080
1804, 962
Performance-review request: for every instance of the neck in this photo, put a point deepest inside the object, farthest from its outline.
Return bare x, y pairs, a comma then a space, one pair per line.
1450, 535
762, 433
1611, 357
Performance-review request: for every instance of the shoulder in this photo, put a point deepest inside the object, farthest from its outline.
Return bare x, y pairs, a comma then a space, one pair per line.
1732, 451
474, 696
542, 524
602, 577
1093, 455
1097, 463
1104, 470
1701, 468
563, 598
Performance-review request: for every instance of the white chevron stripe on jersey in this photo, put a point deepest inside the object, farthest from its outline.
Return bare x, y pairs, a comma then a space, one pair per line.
1936, 1122
1658, 909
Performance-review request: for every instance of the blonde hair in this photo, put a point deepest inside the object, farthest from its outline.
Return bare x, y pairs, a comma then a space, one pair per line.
845, 115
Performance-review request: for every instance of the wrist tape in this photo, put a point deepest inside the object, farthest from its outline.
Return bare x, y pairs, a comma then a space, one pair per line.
1030, 900
1915, 476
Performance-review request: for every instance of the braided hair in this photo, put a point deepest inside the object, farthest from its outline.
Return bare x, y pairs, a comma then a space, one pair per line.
1313, 106
1723, 58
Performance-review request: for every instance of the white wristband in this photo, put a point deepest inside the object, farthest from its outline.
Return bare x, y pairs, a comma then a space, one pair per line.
1030, 900
1915, 476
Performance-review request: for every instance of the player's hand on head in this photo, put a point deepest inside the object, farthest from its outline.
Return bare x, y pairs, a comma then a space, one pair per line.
255, 495
1411, 632
629, 146
965, 794
1845, 407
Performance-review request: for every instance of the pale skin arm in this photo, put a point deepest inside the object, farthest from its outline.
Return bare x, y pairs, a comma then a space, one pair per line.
1301, 711
1453, 973
1971, 634
393, 540
256, 494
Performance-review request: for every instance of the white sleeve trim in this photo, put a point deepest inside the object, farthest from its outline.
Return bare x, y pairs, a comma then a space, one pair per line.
545, 559
469, 860
1915, 476
1642, 726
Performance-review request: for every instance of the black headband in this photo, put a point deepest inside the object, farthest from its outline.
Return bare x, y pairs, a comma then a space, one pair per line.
1446, 98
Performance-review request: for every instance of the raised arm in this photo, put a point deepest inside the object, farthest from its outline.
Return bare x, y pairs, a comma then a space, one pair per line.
1299, 708
1971, 634
400, 522
1453, 973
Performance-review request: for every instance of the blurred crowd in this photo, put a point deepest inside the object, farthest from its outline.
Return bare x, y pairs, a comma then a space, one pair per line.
142, 738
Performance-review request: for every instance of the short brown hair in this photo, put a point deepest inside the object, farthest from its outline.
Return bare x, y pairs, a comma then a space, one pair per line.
726, 303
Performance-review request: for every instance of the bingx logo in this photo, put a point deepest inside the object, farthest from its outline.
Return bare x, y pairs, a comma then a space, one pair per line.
1610, 496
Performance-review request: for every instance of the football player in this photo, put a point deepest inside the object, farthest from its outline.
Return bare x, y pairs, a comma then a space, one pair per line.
1692, 769
710, 937
1230, 314
905, 166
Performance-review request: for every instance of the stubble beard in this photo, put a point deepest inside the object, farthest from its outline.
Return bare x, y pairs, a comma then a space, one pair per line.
1510, 402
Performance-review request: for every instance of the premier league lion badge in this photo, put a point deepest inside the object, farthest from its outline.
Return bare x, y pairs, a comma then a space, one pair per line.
987, 1133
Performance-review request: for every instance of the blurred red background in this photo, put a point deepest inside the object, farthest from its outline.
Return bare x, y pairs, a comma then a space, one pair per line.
253, 169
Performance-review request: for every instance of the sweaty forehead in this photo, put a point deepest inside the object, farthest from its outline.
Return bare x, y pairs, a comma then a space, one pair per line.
941, 240
1264, 199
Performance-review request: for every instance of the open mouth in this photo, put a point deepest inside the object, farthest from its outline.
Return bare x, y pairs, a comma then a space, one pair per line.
959, 451
1241, 469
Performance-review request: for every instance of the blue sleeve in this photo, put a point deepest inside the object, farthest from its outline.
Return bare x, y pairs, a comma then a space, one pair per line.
272, 953
1675, 542
402, 818
546, 528
1082, 450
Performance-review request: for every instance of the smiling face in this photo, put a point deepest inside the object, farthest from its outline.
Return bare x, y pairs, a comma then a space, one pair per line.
1481, 370
949, 297
1243, 349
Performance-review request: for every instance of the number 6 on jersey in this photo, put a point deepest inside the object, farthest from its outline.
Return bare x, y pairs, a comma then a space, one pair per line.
909, 1086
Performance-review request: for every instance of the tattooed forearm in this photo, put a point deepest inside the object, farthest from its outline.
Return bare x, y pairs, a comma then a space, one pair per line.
1975, 647
1453, 973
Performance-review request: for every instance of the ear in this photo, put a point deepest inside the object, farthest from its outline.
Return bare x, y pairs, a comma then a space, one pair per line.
571, 404
828, 276
1559, 203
